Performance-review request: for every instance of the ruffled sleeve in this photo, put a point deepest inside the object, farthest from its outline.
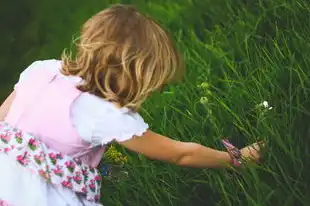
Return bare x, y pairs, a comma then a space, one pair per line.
118, 126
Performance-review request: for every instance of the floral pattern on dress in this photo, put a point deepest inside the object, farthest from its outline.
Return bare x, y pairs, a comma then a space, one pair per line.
54, 167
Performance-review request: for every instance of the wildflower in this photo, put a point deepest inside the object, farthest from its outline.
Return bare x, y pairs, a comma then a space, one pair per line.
203, 100
105, 170
114, 155
265, 105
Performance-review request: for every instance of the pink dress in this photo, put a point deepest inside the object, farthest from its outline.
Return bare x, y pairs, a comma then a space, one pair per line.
44, 159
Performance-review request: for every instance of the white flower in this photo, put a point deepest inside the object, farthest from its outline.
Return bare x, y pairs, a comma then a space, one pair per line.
265, 104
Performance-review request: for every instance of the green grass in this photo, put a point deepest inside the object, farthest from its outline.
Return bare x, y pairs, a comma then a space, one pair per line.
246, 51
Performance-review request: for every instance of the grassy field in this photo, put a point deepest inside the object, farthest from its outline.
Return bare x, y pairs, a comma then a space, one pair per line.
238, 54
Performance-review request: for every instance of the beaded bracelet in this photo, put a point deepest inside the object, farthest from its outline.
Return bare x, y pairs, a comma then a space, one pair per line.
234, 153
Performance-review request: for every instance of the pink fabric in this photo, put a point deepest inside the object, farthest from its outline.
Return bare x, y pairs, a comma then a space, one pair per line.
3, 203
42, 108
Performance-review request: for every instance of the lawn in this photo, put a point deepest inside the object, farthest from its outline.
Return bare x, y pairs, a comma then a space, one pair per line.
238, 54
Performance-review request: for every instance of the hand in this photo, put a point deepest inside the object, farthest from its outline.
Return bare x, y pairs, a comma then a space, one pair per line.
252, 152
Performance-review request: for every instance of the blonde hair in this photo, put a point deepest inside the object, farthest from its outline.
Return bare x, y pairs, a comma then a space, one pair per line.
123, 57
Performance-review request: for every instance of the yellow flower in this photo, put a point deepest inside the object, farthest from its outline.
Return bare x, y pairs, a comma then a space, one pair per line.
115, 156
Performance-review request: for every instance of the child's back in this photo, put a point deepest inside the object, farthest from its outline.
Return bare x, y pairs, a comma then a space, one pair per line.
49, 106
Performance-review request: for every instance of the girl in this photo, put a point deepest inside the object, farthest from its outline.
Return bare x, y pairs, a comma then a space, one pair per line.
61, 113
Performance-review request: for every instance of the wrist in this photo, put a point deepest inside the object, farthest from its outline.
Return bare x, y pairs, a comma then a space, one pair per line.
228, 160
225, 158
234, 153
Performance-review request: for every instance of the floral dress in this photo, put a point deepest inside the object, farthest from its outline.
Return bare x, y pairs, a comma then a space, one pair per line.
44, 176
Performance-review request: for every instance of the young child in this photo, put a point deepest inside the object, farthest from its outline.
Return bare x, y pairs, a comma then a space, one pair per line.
61, 114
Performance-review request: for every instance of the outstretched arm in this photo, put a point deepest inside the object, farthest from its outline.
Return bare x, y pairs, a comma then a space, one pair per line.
4, 109
159, 147
156, 146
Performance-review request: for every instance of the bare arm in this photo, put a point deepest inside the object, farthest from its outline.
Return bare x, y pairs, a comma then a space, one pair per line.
4, 109
156, 146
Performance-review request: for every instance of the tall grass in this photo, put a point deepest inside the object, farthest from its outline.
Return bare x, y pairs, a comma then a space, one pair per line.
238, 54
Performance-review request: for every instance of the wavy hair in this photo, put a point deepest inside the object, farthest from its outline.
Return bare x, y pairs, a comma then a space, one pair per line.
123, 56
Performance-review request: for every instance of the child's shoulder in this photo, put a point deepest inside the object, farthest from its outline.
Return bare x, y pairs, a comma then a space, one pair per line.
48, 64
51, 65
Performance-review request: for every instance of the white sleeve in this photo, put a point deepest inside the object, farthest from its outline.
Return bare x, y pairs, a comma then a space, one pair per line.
26, 72
118, 127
